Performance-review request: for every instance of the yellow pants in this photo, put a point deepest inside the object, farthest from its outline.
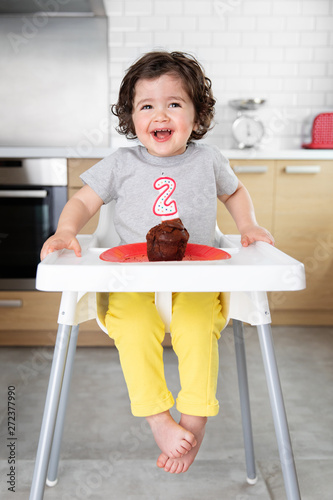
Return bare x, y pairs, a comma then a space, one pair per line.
133, 322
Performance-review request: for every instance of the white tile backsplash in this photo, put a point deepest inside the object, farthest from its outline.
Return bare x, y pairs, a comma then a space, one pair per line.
241, 23
316, 7
329, 99
198, 8
136, 39
287, 8
256, 8
135, 8
271, 23
171, 39
160, 24
314, 68
286, 39
198, 39
324, 23
323, 84
299, 54
314, 39
300, 23
278, 50
123, 23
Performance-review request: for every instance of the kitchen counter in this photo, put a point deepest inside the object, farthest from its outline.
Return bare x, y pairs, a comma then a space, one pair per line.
236, 154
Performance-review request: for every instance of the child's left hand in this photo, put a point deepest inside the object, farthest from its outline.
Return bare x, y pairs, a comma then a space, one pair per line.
256, 233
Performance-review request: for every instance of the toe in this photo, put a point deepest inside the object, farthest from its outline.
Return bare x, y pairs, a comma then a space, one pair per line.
186, 446
162, 460
190, 438
168, 465
186, 466
180, 468
174, 467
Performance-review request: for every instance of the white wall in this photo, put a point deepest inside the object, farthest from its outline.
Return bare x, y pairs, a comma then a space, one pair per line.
278, 50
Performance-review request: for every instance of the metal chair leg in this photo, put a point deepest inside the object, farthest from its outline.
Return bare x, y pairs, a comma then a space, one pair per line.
244, 401
279, 413
50, 412
52, 475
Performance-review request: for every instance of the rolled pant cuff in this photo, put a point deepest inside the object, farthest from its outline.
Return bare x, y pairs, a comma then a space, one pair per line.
145, 410
198, 410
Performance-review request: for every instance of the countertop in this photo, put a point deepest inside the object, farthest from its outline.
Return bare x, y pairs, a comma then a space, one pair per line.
248, 154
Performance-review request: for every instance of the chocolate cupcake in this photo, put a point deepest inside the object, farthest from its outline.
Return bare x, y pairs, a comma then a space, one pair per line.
167, 241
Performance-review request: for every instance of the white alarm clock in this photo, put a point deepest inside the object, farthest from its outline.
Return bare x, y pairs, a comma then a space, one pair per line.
247, 131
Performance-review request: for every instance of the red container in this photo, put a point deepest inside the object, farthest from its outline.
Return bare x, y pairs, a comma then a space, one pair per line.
322, 132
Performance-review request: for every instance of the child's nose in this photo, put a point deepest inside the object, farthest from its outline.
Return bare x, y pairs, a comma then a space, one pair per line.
161, 115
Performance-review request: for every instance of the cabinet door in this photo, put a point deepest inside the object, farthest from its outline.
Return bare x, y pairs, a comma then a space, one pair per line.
258, 178
303, 228
91, 225
76, 166
28, 318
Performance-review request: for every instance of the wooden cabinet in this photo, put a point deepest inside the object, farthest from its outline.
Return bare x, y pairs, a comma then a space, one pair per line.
28, 318
303, 228
258, 178
294, 200
76, 166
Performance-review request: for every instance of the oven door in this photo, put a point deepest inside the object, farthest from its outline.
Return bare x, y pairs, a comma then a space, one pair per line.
28, 216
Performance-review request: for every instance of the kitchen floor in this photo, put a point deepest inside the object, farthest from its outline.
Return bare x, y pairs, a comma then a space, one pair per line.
109, 454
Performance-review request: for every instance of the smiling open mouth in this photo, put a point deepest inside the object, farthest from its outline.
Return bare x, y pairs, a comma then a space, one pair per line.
162, 134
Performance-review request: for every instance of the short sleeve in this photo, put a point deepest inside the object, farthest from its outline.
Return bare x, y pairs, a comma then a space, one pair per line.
101, 178
226, 179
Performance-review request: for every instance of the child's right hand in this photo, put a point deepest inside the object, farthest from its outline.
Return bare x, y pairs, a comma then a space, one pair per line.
58, 241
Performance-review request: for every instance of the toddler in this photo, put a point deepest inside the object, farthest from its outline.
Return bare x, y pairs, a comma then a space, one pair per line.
166, 102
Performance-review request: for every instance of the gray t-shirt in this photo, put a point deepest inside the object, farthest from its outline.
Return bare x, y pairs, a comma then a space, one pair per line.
144, 186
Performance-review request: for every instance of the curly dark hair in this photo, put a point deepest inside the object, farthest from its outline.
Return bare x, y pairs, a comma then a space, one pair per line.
158, 63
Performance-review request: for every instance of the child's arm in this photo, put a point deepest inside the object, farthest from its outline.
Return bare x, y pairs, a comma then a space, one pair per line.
76, 213
240, 206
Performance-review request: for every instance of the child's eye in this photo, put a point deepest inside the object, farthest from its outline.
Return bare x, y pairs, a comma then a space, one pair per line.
147, 106
174, 105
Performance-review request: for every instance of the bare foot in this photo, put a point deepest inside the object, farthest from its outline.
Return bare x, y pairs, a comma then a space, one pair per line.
181, 464
171, 438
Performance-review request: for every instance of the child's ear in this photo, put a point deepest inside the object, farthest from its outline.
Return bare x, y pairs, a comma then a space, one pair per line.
195, 126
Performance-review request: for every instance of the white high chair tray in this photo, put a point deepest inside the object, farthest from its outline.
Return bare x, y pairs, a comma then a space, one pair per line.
259, 267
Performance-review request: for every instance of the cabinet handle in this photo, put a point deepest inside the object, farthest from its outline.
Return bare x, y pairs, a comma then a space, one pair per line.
303, 169
250, 169
11, 303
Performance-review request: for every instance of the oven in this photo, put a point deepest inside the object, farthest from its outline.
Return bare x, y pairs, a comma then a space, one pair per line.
33, 193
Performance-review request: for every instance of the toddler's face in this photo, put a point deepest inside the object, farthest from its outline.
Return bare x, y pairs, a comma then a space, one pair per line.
163, 115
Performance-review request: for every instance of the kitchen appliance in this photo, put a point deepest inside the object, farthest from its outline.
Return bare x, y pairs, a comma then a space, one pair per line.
51, 53
247, 129
322, 132
33, 193
81, 8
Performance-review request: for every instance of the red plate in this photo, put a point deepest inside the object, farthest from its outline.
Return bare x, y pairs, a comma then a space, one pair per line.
137, 252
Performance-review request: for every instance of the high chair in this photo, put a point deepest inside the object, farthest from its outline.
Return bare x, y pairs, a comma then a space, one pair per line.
243, 281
